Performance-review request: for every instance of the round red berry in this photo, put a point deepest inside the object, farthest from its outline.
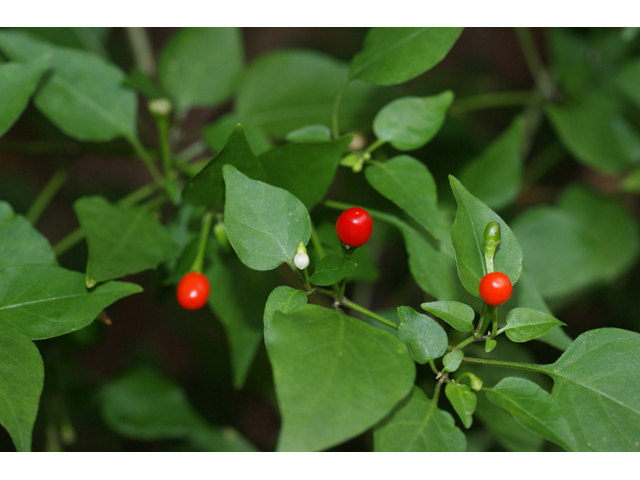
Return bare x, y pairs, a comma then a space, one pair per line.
495, 288
193, 291
354, 227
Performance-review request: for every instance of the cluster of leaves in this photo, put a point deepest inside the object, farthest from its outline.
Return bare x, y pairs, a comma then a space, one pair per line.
277, 154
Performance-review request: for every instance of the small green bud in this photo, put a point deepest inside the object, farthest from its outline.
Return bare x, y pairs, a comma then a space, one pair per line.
491, 242
490, 344
221, 235
476, 383
160, 106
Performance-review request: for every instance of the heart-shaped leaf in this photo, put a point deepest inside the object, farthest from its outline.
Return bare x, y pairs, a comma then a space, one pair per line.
121, 240
264, 223
463, 401
424, 337
317, 354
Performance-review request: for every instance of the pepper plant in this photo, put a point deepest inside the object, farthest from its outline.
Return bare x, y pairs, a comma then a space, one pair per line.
279, 219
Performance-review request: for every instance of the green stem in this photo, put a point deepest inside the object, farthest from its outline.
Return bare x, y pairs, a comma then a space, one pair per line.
540, 75
146, 159
531, 367
466, 342
368, 313
46, 195
479, 328
494, 314
317, 244
347, 252
375, 145
495, 100
436, 394
77, 235
162, 123
142, 49
207, 219
336, 108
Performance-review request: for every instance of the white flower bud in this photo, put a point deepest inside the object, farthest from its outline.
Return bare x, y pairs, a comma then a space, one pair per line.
301, 260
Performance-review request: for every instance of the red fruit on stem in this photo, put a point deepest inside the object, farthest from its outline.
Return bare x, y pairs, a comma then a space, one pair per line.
495, 288
354, 227
193, 291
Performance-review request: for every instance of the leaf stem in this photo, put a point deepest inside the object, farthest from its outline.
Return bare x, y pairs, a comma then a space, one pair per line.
46, 195
142, 49
336, 108
146, 159
495, 100
540, 75
347, 252
531, 367
317, 244
202, 245
354, 306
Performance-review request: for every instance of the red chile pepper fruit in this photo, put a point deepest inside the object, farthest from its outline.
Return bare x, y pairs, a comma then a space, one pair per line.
193, 291
354, 227
495, 288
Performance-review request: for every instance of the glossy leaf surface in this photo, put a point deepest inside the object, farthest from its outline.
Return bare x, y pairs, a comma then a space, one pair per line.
467, 235
331, 269
21, 381
424, 337
199, 67
457, 314
524, 324
17, 84
207, 187
408, 123
409, 184
20, 243
282, 299
463, 401
319, 359
85, 96
264, 223
395, 55
121, 240
534, 408
418, 425
44, 301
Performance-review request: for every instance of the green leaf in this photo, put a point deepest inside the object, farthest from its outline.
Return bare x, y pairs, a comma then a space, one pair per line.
596, 134
304, 169
142, 83
207, 187
215, 134
629, 79
22, 374
282, 299
264, 223
587, 239
463, 401
44, 301
285, 90
596, 385
237, 298
467, 235
121, 240
408, 123
495, 176
524, 324
425, 338
418, 425
331, 269
335, 376
452, 360
92, 39
20, 243
409, 184
310, 134
431, 269
457, 314
17, 84
84, 96
199, 67
534, 408
395, 55
144, 405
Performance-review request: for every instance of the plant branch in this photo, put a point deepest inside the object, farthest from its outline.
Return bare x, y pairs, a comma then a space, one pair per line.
495, 100
336, 108
46, 195
531, 367
540, 74
142, 49
368, 313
